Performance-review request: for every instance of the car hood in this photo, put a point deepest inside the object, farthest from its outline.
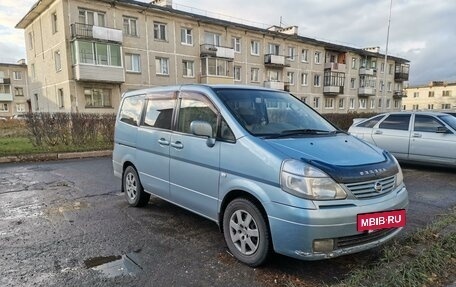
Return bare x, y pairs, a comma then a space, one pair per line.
343, 157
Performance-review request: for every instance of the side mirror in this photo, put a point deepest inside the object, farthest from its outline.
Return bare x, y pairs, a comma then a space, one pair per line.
202, 128
442, 130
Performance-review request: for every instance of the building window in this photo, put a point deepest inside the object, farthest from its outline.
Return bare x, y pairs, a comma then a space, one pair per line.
390, 87
374, 64
95, 18
416, 107
431, 94
254, 75
37, 106
162, 66
57, 61
390, 69
5, 89
32, 70
329, 103
291, 53
236, 42
316, 102
317, 82
430, 106
17, 75
273, 75
133, 63
237, 73
381, 85
304, 55
396, 104
354, 63
372, 104
416, 94
388, 103
61, 98
274, 49
446, 106
3, 107
160, 31
188, 68
353, 83
54, 22
212, 39
362, 104
18, 92
341, 103
334, 79
304, 99
446, 93
379, 103
186, 36
215, 67
130, 26
317, 57
255, 48
352, 103
291, 78
303, 79
382, 67
98, 54
30, 38
97, 98
20, 108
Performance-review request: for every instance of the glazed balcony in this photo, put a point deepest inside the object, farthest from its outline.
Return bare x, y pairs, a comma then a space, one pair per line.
276, 85
85, 31
336, 67
398, 94
367, 72
333, 90
277, 61
216, 51
98, 73
401, 72
366, 91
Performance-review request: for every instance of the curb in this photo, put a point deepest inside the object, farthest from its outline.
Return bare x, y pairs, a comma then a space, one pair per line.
55, 156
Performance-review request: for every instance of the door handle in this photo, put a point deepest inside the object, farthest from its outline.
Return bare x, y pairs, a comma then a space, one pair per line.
163, 141
378, 132
416, 135
177, 145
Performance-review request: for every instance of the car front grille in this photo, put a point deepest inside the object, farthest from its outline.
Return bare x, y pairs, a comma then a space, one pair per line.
363, 238
367, 189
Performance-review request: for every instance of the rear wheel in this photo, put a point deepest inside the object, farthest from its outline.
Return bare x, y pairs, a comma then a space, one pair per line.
134, 192
246, 233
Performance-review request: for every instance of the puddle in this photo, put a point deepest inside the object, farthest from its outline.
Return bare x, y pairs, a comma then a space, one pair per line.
113, 266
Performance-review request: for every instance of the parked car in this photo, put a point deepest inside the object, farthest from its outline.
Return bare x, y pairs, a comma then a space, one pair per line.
417, 137
268, 169
20, 117
451, 113
3, 119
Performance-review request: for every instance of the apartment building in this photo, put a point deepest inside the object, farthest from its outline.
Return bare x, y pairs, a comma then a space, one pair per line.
437, 95
14, 97
83, 55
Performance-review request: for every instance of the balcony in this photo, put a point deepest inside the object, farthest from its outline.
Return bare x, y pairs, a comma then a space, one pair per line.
216, 51
366, 91
336, 67
98, 73
276, 85
398, 94
84, 31
277, 61
6, 97
401, 73
332, 90
367, 72
215, 80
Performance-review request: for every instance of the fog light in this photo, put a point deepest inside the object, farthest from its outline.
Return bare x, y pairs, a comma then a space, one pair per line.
323, 245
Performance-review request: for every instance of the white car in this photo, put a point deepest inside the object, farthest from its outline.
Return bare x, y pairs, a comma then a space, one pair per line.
419, 137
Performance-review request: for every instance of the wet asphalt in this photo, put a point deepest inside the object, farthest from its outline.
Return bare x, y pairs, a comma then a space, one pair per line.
66, 223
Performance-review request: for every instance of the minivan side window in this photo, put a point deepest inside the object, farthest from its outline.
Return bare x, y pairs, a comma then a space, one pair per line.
396, 122
159, 113
131, 110
193, 107
426, 124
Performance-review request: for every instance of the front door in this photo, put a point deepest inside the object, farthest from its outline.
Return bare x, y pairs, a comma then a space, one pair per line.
194, 166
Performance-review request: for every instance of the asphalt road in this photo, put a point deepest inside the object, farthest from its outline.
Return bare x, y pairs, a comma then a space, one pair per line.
66, 223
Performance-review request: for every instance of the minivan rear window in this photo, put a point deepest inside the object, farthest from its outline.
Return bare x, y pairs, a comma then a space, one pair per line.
131, 110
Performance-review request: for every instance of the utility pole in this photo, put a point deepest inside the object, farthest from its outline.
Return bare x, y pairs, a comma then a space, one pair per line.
386, 61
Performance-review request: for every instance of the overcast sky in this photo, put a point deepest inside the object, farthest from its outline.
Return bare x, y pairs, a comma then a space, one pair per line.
422, 31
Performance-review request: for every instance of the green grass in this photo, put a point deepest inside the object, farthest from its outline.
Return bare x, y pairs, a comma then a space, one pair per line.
10, 146
425, 258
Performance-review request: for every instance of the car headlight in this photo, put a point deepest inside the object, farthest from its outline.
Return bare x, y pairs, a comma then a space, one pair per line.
399, 175
306, 181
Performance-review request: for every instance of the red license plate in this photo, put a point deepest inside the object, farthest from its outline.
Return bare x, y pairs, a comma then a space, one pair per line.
380, 220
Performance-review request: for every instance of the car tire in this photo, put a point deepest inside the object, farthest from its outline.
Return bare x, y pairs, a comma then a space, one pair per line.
134, 192
246, 232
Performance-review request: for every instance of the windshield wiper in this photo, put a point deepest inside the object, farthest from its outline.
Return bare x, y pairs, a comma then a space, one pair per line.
288, 133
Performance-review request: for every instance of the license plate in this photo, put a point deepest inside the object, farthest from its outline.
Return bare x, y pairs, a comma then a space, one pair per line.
380, 220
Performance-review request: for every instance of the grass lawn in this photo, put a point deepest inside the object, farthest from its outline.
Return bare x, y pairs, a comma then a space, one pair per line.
10, 146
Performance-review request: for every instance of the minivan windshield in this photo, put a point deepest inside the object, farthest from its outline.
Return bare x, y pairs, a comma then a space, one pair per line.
273, 113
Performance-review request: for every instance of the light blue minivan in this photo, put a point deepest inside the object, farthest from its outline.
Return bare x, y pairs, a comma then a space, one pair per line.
268, 169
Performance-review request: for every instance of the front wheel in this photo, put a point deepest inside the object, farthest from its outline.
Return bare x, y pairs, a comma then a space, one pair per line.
246, 232
134, 192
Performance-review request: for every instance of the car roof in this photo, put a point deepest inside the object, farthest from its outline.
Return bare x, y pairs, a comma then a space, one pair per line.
417, 113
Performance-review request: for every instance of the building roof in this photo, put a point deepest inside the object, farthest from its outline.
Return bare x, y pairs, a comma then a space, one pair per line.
13, 65
433, 84
42, 5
